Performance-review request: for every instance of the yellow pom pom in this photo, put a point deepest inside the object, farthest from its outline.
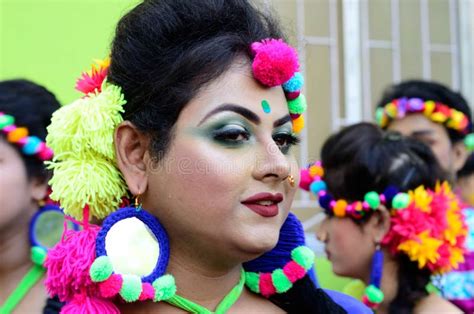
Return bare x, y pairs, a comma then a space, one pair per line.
90, 180
429, 107
340, 208
298, 124
87, 124
17, 134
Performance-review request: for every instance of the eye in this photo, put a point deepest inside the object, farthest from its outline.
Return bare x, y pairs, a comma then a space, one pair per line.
231, 134
285, 141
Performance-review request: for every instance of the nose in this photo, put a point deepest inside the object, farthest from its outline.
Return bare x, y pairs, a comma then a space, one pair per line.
271, 164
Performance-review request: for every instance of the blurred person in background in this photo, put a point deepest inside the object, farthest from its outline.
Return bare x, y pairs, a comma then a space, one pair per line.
441, 118
385, 198
25, 112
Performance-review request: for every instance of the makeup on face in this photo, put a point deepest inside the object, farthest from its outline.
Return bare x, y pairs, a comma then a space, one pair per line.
234, 126
266, 106
264, 204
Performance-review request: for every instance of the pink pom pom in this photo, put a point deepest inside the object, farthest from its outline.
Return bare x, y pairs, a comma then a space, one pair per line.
148, 292
91, 305
68, 264
275, 62
294, 271
292, 95
305, 179
111, 287
46, 153
266, 285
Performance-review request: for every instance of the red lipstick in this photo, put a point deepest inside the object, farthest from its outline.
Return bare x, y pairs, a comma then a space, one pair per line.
264, 204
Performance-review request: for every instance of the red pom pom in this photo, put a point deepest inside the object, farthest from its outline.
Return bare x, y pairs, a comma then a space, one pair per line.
91, 305
68, 264
294, 271
266, 285
275, 62
369, 304
148, 292
292, 95
111, 287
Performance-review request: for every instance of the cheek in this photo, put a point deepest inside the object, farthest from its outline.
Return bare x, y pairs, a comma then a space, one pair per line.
13, 189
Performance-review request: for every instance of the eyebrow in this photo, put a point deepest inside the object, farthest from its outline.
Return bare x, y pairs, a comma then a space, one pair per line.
234, 108
282, 121
421, 133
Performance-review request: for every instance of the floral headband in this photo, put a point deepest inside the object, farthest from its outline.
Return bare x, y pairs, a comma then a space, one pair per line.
30, 145
426, 225
435, 111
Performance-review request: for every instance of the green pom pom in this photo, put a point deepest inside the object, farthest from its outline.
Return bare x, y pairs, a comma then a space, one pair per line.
91, 180
88, 124
38, 255
304, 256
165, 288
6, 120
101, 269
374, 294
469, 142
298, 105
251, 280
373, 199
401, 201
379, 112
280, 281
131, 288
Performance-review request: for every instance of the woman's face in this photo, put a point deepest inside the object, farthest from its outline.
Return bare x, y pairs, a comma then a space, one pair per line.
15, 188
222, 186
349, 247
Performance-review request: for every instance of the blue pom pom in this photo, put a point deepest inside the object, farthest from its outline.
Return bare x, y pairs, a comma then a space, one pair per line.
294, 84
390, 193
31, 146
317, 186
325, 200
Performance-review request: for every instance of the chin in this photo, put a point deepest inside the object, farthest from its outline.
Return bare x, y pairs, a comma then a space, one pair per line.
257, 243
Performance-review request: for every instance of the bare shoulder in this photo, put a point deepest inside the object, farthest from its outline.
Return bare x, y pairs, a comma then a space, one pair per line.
251, 303
435, 304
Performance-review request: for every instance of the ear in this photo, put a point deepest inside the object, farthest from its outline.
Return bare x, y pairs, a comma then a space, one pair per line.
38, 188
459, 154
379, 224
131, 149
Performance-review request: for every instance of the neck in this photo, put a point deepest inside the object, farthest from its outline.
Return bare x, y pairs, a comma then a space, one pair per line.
14, 253
389, 283
201, 281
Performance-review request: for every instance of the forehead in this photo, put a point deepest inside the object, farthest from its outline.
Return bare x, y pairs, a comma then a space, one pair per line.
417, 123
237, 86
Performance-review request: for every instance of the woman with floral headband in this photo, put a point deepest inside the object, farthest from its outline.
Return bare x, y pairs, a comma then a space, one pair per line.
25, 111
195, 119
441, 118
391, 222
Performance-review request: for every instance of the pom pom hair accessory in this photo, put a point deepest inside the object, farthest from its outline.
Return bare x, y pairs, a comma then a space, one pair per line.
30, 145
427, 225
435, 111
276, 63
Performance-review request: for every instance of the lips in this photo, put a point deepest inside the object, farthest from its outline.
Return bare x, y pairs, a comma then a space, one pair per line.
264, 204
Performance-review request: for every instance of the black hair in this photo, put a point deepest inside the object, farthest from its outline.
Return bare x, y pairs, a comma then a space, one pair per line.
32, 106
165, 51
427, 90
363, 158
468, 168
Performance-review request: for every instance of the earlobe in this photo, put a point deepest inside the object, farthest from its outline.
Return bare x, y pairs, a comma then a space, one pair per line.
459, 155
131, 149
382, 223
39, 189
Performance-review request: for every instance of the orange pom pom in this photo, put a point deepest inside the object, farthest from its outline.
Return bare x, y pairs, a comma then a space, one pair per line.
340, 208
298, 124
17, 134
316, 170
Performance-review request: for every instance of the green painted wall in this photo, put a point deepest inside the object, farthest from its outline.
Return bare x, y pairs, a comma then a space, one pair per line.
52, 41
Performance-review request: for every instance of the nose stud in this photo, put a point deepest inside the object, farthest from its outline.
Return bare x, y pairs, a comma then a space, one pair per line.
291, 180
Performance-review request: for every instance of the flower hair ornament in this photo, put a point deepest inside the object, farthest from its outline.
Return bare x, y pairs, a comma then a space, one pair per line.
426, 225
435, 111
125, 259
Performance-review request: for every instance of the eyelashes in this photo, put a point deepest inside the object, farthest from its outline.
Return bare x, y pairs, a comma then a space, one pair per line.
236, 135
